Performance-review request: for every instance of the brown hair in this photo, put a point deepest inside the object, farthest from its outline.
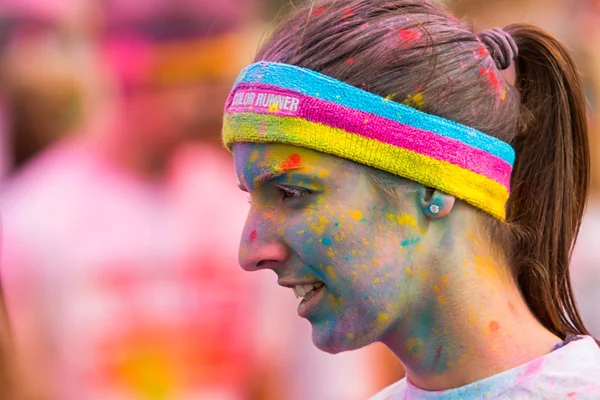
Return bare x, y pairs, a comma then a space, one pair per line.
414, 51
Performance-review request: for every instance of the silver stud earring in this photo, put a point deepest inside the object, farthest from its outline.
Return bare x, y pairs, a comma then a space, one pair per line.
434, 208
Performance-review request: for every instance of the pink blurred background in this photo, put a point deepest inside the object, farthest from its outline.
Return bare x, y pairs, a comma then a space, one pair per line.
121, 216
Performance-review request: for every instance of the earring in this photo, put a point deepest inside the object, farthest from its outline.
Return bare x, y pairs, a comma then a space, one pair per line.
434, 209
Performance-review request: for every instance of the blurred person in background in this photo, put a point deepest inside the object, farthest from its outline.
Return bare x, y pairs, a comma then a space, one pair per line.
42, 76
121, 240
12, 388
585, 265
119, 263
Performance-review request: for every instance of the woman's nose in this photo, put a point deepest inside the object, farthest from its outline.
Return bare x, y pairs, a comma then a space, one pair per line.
261, 249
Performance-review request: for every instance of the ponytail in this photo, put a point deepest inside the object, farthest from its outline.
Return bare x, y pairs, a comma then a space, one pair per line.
550, 179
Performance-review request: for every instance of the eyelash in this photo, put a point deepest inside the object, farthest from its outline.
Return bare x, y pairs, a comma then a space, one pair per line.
292, 193
289, 193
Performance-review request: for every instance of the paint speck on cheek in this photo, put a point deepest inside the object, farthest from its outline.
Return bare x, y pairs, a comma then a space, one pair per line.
326, 241
409, 242
351, 336
336, 303
383, 317
253, 235
331, 272
357, 215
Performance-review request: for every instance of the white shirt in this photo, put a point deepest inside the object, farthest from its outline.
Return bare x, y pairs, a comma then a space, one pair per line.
571, 372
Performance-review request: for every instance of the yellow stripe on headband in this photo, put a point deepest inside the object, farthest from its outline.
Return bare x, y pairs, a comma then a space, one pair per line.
477, 190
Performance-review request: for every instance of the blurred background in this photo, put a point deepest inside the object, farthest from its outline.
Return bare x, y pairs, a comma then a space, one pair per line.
121, 216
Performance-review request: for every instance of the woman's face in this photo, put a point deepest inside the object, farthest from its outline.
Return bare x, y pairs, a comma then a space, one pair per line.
316, 219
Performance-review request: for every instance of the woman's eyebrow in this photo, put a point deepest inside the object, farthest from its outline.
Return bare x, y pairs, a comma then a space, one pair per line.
266, 177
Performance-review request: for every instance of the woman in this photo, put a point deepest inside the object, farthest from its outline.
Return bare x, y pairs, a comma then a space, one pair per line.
413, 196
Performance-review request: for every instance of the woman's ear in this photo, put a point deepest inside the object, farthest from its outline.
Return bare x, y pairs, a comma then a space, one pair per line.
435, 204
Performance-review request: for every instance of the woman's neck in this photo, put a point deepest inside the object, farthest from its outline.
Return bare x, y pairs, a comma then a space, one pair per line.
473, 323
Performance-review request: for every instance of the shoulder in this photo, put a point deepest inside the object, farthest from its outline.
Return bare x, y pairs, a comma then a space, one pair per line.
392, 392
572, 371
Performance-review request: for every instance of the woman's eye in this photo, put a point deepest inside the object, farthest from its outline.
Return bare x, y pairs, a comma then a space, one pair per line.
289, 193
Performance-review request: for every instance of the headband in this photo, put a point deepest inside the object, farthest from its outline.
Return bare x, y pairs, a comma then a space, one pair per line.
279, 103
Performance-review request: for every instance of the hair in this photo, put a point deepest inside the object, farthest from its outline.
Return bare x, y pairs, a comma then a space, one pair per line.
416, 52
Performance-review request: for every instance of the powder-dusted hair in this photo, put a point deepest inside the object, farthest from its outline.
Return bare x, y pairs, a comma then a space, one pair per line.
416, 52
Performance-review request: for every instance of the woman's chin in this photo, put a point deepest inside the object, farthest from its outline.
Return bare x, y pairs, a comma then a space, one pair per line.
333, 342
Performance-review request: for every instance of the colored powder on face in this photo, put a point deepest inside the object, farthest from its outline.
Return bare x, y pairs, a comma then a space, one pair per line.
293, 161
351, 336
351, 61
357, 215
383, 317
326, 241
408, 242
331, 272
253, 235
322, 174
319, 228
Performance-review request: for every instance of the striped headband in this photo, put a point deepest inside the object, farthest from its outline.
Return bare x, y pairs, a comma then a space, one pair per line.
279, 103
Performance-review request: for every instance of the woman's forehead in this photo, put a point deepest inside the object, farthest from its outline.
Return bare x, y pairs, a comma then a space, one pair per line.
283, 155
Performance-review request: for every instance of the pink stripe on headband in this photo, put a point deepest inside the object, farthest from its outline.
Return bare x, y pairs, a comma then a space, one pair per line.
269, 99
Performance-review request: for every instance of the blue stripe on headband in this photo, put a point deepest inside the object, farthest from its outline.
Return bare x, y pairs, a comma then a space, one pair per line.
314, 84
